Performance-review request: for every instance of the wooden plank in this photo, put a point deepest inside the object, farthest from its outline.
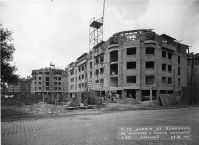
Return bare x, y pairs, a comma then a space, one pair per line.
163, 100
171, 101
167, 100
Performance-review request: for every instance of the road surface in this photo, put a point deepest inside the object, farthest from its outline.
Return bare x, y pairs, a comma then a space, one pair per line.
98, 129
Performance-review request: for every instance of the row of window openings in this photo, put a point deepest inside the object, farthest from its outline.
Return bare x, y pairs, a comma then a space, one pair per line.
132, 65
47, 78
98, 60
80, 68
169, 80
47, 88
44, 73
147, 92
47, 73
166, 80
101, 71
47, 83
132, 50
81, 77
169, 68
150, 64
97, 71
80, 86
164, 55
151, 50
150, 80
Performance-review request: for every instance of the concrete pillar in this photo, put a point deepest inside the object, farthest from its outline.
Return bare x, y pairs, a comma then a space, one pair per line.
138, 95
157, 94
150, 95
124, 94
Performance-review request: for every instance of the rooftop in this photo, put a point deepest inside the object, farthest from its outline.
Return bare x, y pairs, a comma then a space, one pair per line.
167, 37
137, 31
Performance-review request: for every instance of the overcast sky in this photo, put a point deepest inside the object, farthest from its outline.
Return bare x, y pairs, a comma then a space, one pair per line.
57, 31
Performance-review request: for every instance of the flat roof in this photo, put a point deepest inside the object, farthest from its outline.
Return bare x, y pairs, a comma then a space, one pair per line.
131, 31
83, 55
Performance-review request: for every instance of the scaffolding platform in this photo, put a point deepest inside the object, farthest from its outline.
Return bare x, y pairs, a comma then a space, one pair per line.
96, 24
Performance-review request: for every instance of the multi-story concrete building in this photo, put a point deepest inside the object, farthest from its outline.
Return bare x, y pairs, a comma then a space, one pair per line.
77, 75
23, 86
49, 80
138, 64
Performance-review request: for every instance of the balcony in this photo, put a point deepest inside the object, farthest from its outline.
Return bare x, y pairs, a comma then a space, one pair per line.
113, 45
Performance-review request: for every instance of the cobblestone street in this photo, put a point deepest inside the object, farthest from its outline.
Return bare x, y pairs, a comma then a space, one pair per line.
96, 129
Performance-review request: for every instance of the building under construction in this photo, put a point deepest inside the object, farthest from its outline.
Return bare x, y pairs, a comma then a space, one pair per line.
137, 64
49, 80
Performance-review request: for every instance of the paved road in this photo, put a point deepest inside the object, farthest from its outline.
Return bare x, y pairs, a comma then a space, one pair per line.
97, 129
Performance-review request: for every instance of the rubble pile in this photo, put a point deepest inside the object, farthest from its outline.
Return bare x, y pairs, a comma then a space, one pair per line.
43, 109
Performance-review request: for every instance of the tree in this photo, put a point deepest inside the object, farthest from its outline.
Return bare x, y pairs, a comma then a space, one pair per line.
8, 75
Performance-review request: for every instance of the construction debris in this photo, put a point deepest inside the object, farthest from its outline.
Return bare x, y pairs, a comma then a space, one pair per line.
44, 109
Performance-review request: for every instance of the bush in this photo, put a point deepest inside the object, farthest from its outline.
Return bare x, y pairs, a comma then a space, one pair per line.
94, 100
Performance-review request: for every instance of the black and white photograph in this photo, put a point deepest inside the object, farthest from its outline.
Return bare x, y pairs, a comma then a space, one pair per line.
99, 72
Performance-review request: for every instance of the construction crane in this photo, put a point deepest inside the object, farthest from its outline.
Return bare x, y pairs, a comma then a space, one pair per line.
96, 30
103, 11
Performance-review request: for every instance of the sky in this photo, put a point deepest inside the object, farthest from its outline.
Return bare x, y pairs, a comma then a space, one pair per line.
57, 31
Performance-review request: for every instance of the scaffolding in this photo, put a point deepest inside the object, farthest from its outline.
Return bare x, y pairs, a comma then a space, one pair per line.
95, 32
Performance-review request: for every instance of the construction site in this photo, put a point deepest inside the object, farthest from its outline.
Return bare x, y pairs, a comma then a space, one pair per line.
138, 64
133, 65
124, 85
